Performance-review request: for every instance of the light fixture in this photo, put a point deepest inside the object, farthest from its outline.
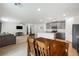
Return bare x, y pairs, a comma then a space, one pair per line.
64, 14
18, 4
4, 19
21, 23
7, 20
50, 18
38, 9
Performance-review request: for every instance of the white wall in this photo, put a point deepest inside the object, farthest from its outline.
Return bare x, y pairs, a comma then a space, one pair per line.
68, 31
39, 28
76, 20
11, 28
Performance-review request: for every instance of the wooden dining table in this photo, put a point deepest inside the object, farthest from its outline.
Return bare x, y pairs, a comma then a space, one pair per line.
56, 48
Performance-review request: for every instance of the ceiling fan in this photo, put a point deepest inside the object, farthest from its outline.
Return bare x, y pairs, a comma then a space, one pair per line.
18, 4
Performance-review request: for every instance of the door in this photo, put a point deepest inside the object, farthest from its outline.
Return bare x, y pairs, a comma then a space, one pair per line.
75, 36
0, 27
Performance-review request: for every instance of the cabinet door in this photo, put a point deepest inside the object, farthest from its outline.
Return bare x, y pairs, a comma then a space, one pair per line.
61, 24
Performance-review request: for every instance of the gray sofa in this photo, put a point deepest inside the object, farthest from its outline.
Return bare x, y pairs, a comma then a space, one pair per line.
7, 39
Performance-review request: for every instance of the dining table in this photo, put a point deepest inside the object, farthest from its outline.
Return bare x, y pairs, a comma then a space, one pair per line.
56, 48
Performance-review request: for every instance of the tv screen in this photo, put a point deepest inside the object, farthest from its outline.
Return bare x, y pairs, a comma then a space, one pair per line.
19, 27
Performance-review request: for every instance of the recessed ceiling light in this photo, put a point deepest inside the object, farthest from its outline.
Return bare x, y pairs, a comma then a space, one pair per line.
64, 14
38, 9
50, 18
55, 17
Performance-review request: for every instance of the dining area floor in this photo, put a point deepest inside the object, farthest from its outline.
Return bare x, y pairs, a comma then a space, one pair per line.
20, 48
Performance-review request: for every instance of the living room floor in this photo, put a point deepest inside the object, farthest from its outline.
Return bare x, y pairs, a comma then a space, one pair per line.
20, 49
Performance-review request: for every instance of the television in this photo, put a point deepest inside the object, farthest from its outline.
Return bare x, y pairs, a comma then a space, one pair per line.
19, 27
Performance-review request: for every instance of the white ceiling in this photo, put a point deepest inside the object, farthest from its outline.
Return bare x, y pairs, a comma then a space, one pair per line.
27, 12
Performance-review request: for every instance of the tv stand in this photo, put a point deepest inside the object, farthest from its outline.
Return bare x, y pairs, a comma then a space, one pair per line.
19, 34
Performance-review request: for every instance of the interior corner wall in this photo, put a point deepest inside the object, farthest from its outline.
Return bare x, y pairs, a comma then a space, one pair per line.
68, 31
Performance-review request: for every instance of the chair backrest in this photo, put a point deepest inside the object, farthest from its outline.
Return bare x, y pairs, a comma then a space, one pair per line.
66, 49
31, 49
32, 35
43, 49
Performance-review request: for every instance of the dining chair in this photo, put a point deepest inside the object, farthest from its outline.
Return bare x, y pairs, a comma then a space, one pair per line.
42, 48
66, 49
31, 48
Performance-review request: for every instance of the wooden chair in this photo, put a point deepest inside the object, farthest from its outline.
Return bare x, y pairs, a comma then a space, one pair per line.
30, 48
66, 49
27, 46
36, 48
32, 35
42, 49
